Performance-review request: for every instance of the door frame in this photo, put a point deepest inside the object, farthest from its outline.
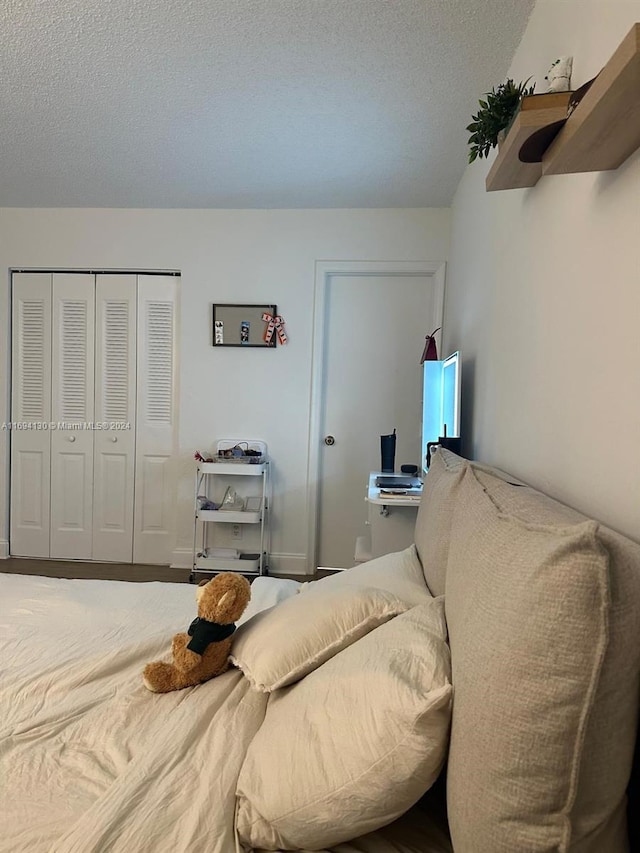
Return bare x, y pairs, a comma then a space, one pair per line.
325, 271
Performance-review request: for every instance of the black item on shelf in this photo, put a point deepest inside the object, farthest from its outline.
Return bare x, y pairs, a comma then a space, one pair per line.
449, 442
388, 453
409, 469
397, 482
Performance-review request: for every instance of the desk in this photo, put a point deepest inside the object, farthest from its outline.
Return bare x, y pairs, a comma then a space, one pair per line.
381, 497
391, 518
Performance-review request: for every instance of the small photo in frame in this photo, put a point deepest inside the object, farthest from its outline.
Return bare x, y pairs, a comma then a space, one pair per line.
242, 325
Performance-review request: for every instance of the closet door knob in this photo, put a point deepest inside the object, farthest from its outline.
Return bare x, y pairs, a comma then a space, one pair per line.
329, 440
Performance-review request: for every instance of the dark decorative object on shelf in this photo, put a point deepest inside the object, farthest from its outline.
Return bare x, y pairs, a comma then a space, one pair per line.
430, 352
534, 148
494, 115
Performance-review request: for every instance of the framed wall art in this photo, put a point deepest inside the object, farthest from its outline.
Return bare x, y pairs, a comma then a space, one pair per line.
243, 325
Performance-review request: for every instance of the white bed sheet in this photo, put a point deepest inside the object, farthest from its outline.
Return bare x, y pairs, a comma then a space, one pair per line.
92, 762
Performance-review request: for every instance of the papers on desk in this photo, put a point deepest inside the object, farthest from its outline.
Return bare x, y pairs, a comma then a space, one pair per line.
393, 483
401, 491
404, 494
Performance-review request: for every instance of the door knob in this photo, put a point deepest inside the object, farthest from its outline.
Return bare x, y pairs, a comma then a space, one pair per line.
115, 438
329, 440
72, 438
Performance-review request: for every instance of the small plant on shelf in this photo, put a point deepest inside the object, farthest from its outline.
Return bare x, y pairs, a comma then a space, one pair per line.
494, 115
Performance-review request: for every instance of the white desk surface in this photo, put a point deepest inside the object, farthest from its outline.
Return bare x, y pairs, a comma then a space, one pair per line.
411, 497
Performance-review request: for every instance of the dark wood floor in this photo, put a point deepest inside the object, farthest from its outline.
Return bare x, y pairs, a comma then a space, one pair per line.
104, 571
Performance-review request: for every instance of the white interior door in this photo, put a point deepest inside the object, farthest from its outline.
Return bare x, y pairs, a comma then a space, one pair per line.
374, 328
31, 411
156, 428
72, 406
115, 411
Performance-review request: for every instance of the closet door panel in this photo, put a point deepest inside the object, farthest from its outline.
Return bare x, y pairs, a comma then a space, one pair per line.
73, 414
115, 403
31, 412
156, 414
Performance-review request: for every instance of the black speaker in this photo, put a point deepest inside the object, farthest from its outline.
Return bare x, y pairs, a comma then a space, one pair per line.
451, 443
388, 453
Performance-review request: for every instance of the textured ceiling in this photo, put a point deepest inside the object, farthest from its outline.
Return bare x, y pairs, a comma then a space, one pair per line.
244, 103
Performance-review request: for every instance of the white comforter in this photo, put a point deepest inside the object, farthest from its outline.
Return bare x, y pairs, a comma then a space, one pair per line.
92, 762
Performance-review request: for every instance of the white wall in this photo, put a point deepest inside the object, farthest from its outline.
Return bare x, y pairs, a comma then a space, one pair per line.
543, 299
226, 256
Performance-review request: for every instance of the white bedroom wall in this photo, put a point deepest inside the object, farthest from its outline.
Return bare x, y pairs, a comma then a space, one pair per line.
226, 256
543, 299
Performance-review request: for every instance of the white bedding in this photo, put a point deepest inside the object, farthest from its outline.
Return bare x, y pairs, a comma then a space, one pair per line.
92, 762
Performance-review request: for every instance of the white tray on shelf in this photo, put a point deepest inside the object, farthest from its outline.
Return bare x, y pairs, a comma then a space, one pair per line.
226, 466
229, 516
228, 564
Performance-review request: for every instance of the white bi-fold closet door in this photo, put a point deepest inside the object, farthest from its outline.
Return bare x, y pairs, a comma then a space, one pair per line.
93, 421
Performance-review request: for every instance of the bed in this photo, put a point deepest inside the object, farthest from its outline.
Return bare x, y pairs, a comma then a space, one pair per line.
504, 641
91, 761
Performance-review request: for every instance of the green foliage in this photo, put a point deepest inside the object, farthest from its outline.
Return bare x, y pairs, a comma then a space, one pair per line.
494, 115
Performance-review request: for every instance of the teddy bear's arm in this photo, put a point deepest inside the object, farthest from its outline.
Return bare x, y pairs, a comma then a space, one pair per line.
183, 657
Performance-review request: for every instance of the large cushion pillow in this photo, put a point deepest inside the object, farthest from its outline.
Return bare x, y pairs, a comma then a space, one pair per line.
355, 744
527, 607
283, 644
433, 522
598, 812
399, 573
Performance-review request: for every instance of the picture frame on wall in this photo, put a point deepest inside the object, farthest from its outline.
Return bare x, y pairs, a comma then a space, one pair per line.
241, 325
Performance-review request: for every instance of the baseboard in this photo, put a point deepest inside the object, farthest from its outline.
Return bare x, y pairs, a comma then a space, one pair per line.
4, 549
279, 564
182, 558
288, 564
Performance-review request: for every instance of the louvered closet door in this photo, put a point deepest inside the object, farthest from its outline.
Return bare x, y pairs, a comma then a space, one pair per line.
31, 405
73, 409
155, 451
115, 402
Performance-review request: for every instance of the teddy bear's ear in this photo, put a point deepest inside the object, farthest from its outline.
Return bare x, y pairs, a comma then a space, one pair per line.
227, 600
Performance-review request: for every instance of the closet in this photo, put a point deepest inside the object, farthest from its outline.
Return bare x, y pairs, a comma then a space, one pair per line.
93, 424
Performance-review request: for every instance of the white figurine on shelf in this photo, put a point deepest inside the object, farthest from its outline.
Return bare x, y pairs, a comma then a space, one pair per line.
559, 75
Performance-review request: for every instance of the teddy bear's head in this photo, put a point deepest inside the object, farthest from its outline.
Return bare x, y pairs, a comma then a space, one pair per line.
224, 598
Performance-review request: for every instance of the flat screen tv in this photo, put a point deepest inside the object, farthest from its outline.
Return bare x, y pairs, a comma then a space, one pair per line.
451, 396
440, 401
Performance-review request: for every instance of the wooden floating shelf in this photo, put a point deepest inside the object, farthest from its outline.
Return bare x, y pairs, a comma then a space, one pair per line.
508, 171
604, 129
599, 135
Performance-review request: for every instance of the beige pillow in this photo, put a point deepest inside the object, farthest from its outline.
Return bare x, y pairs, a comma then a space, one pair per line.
527, 609
355, 744
433, 522
399, 573
281, 645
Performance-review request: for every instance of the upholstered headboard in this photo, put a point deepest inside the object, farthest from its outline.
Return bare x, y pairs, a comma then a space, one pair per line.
543, 612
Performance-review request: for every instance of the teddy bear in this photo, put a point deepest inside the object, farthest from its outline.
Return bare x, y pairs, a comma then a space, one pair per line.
203, 652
